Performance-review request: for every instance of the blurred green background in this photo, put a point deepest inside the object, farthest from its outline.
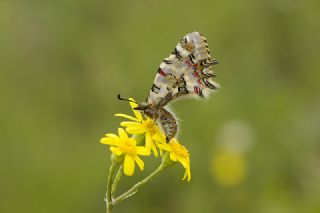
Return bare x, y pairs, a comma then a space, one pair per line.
254, 145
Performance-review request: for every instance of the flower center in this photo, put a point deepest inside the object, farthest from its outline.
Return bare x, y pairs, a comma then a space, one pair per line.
149, 125
179, 150
128, 147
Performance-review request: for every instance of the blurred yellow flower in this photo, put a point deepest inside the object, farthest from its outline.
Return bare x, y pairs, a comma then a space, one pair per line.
123, 145
147, 126
178, 153
229, 168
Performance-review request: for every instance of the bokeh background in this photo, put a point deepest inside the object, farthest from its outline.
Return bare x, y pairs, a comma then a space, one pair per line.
255, 145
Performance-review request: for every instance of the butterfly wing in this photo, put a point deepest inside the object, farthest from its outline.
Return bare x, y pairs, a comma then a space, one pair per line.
186, 72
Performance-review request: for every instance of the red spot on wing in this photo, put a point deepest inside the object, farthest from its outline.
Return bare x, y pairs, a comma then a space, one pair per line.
195, 74
190, 64
162, 73
199, 82
196, 90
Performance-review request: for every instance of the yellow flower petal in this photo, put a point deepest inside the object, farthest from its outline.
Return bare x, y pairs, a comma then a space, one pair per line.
185, 163
142, 151
131, 124
128, 165
173, 156
174, 140
122, 133
132, 141
159, 136
126, 116
161, 151
187, 174
138, 115
150, 144
133, 127
165, 147
148, 140
116, 150
111, 135
135, 131
133, 104
136, 112
139, 162
154, 149
110, 141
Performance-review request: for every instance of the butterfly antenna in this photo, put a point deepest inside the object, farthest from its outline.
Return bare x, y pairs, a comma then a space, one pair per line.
123, 99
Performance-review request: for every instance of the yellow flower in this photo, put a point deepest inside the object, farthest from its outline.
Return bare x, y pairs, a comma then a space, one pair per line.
229, 168
147, 126
122, 145
178, 153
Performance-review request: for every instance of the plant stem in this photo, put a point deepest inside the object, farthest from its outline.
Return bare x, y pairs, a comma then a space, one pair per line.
135, 188
116, 181
108, 200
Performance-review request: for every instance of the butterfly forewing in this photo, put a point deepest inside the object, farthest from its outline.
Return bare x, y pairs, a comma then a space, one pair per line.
186, 72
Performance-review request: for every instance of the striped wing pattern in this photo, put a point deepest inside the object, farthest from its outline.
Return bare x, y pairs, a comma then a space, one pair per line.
187, 72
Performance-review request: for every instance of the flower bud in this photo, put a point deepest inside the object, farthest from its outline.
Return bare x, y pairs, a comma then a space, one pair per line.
116, 158
167, 161
139, 138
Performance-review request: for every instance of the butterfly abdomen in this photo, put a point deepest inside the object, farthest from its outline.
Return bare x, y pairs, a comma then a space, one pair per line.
168, 123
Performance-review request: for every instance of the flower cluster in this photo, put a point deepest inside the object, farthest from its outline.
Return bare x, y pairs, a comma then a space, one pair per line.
126, 150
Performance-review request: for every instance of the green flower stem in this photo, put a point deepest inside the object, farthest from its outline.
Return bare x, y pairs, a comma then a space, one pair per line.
109, 187
135, 188
116, 181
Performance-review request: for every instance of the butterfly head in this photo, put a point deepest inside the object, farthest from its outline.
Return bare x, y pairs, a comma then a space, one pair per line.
144, 108
147, 110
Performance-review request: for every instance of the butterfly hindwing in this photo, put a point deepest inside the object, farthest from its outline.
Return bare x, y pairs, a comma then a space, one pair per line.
186, 72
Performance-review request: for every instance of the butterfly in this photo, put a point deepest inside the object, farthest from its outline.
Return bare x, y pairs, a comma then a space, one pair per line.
187, 72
